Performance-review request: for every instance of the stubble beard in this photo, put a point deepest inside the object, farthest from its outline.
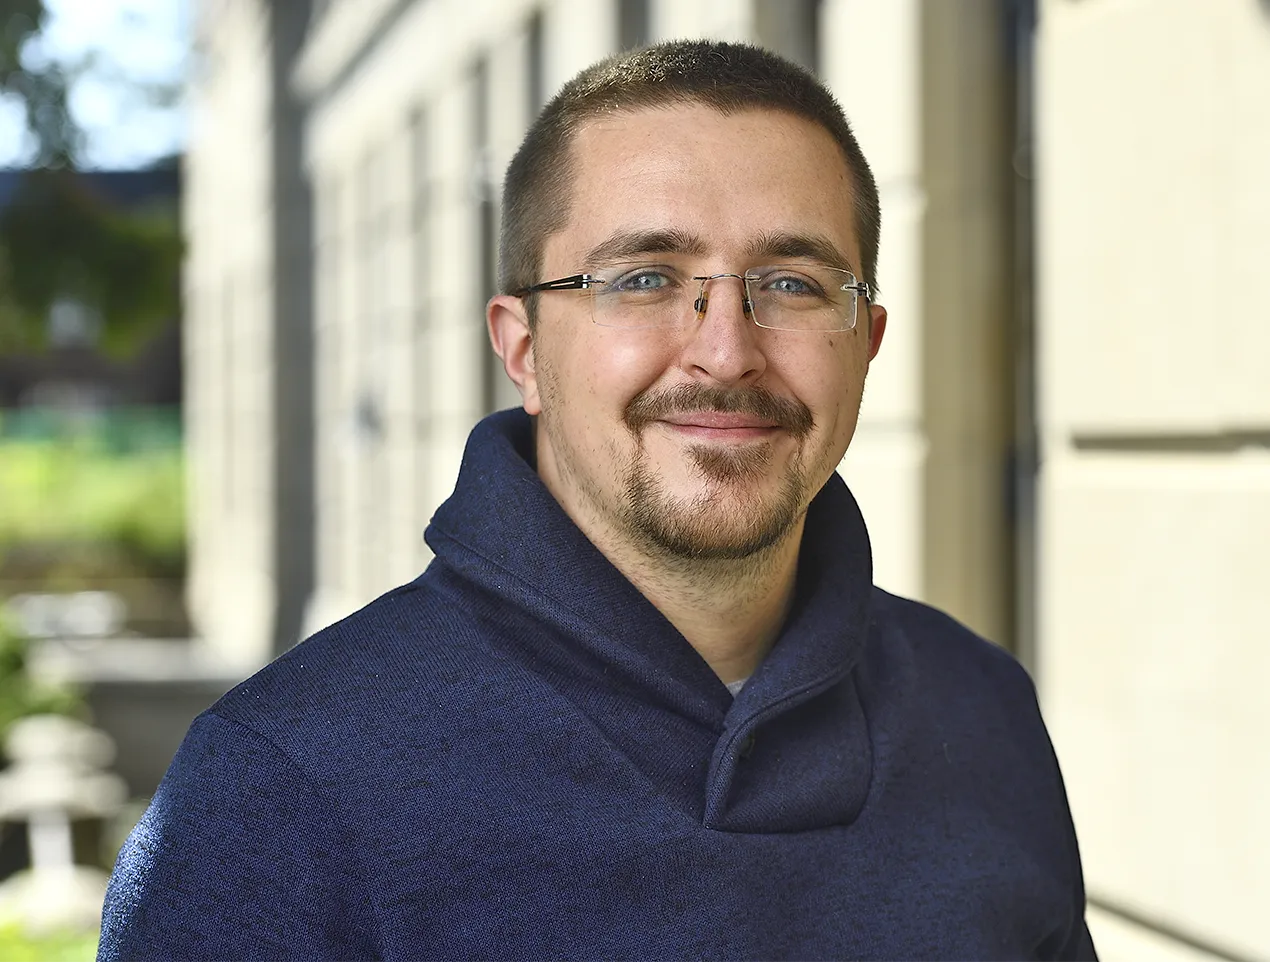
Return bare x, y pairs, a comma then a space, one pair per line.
731, 518
726, 522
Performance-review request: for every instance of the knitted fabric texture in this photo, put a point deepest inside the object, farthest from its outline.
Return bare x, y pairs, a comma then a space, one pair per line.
517, 757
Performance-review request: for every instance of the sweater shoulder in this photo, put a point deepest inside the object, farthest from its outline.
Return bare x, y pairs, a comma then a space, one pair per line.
937, 637
412, 653
952, 665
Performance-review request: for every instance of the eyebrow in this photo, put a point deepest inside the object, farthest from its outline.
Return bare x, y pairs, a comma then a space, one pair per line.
624, 244
621, 245
815, 247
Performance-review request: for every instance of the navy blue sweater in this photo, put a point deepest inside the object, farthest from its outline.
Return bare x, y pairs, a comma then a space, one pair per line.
517, 757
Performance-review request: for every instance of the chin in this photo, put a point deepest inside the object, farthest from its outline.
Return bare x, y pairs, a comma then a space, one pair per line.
725, 515
702, 536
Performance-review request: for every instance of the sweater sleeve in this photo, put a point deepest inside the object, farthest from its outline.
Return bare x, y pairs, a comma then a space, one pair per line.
237, 857
1080, 947
1073, 943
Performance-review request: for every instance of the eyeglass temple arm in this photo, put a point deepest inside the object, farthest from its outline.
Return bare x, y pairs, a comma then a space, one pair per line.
573, 282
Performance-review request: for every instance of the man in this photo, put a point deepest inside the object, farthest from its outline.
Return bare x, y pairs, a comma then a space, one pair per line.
646, 702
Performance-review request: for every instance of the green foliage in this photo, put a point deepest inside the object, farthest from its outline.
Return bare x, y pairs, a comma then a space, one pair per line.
56, 492
16, 945
58, 240
20, 695
42, 89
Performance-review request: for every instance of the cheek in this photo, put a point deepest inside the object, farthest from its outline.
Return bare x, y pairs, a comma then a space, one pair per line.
850, 388
600, 372
823, 373
621, 364
829, 381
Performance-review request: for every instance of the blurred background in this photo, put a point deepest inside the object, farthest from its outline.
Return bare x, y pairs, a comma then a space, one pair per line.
244, 252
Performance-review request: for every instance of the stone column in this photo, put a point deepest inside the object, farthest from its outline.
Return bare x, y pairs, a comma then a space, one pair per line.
229, 206
719, 19
455, 357
923, 84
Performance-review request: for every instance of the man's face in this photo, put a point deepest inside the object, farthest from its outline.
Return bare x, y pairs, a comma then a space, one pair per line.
706, 439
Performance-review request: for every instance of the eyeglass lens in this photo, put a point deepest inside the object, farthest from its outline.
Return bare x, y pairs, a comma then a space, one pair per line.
792, 297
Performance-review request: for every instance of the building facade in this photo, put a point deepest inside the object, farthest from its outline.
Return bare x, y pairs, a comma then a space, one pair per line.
248, 285
1154, 640
1061, 443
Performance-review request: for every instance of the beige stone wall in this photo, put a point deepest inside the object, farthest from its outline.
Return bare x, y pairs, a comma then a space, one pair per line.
229, 353
924, 84
405, 367
1155, 364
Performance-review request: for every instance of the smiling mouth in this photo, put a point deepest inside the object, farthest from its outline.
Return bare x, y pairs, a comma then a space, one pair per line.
720, 426
734, 414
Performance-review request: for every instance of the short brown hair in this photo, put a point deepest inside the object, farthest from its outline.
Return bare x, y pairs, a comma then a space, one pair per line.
728, 77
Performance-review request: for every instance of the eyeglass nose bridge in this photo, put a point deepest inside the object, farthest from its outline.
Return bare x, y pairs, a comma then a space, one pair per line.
700, 304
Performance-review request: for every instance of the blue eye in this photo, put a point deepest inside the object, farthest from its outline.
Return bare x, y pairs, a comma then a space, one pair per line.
644, 279
794, 284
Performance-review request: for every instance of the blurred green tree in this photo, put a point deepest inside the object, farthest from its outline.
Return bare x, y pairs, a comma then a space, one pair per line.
20, 694
57, 239
43, 90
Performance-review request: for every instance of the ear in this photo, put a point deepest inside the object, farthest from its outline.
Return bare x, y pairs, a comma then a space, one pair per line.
877, 327
513, 342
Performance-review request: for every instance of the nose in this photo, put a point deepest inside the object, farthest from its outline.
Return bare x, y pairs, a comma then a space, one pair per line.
703, 298
724, 343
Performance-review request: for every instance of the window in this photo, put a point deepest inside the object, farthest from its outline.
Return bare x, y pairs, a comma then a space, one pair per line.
791, 28
634, 24
536, 82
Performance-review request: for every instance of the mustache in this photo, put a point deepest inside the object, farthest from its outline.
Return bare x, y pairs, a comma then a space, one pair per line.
787, 413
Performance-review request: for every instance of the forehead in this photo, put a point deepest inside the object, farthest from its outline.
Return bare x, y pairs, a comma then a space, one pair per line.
724, 178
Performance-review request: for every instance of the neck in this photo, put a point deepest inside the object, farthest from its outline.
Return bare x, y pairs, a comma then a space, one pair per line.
730, 611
